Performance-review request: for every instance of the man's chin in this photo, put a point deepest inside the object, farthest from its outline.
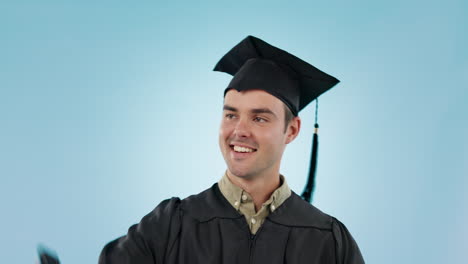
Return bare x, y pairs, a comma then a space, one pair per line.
240, 173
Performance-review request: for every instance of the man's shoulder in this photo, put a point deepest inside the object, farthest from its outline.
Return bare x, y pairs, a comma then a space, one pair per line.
207, 205
296, 212
203, 206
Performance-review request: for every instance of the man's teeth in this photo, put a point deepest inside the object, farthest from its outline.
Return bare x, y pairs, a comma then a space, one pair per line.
242, 149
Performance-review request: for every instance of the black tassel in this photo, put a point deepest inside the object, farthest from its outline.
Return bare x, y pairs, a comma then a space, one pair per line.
310, 186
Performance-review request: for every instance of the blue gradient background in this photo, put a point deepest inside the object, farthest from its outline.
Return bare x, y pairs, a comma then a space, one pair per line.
108, 108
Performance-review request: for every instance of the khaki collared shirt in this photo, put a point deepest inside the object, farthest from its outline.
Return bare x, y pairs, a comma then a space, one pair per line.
243, 203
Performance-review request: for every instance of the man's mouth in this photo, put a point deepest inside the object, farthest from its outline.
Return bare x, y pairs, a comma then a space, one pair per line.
242, 149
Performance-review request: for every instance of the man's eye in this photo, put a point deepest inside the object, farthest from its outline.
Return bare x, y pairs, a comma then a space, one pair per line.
259, 119
229, 116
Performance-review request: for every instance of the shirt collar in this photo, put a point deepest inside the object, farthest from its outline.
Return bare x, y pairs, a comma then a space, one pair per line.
294, 211
234, 194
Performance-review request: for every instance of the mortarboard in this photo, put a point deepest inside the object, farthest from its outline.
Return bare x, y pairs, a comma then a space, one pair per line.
256, 64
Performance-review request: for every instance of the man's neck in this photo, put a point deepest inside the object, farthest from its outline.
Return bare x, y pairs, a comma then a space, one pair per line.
260, 188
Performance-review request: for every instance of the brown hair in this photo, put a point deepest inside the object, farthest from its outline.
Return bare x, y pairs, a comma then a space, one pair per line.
288, 116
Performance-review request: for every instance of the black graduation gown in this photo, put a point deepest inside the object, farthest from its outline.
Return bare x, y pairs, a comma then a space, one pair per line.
205, 228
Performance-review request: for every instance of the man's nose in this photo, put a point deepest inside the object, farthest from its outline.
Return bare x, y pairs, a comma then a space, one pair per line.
242, 128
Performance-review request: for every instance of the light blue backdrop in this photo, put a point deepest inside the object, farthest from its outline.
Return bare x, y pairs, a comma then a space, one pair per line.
107, 108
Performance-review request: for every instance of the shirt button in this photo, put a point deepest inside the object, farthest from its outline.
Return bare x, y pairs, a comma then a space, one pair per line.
236, 203
253, 221
244, 197
272, 207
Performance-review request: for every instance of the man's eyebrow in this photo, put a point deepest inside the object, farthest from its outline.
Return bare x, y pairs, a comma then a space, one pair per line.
263, 111
229, 108
253, 111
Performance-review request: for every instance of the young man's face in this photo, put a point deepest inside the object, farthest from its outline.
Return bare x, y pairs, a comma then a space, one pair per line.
252, 135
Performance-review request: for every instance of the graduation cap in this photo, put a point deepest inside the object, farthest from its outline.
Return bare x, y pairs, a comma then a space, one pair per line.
256, 64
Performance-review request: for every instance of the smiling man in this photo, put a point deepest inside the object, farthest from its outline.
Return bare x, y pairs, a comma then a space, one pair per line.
253, 136
250, 215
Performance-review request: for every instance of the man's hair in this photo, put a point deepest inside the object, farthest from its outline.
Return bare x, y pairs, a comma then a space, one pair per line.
288, 116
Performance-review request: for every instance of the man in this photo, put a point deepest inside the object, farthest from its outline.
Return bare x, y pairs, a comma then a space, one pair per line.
250, 215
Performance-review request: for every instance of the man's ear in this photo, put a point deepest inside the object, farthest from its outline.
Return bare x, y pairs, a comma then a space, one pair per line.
293, 129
